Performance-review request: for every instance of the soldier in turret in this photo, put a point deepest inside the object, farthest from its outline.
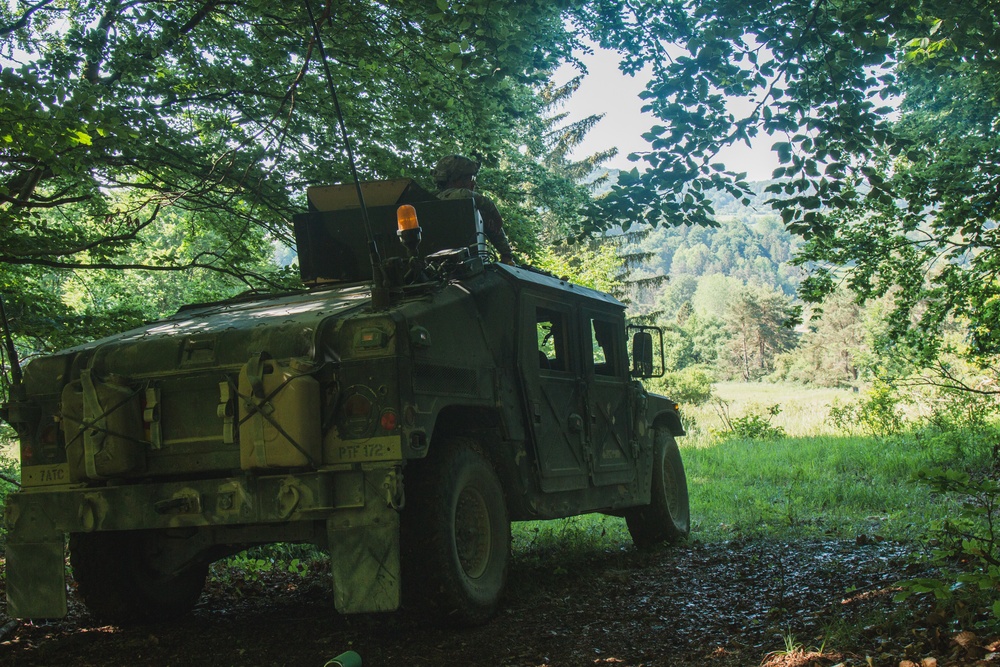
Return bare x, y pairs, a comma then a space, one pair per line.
455, 176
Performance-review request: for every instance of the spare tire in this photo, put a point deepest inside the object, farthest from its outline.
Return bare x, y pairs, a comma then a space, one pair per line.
119, 583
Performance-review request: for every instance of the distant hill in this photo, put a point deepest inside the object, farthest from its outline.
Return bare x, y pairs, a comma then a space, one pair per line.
750, 244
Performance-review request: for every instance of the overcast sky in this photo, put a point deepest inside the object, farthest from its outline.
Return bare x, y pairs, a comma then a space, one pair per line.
606, 90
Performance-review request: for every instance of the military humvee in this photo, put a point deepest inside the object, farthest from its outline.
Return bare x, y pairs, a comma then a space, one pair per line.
400, 413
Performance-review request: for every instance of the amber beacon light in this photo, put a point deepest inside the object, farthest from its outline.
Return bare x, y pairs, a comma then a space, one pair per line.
408, 227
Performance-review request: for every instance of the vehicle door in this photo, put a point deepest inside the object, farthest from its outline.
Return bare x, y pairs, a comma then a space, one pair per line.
554, 389
608, 415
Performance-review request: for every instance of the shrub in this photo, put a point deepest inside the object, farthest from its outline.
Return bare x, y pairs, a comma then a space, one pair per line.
956, 409
754, 425
690, 386
966, 549
879, 414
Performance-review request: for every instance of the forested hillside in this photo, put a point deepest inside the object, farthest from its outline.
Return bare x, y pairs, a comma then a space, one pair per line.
749, 244
726, 296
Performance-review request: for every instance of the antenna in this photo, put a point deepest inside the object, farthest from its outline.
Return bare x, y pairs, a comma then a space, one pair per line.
380, 294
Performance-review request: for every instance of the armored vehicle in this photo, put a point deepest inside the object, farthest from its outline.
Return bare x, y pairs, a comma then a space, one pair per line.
399, 412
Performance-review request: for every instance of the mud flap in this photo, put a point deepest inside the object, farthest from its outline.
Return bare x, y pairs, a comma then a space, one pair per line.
36, 579
364, 557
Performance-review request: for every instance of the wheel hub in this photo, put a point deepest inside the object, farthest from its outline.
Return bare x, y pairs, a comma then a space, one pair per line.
472, 533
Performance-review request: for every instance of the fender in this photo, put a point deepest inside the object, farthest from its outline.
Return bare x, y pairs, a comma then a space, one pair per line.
664, 413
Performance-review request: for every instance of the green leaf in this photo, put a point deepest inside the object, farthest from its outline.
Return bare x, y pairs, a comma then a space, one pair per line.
80, 137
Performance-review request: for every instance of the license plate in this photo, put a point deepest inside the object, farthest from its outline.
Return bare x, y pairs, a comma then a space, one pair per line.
45, 475
387, 448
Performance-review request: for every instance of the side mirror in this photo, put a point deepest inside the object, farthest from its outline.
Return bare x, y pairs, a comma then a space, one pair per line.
643, 357
642, 354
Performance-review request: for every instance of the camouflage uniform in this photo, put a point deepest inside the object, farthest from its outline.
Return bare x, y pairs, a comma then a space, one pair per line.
456, 167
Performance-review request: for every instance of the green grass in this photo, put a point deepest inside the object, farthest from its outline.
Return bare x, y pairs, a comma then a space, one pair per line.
814, 482
570, 537
821, 485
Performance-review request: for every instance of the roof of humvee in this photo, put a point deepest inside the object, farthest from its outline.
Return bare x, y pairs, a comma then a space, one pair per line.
534, 277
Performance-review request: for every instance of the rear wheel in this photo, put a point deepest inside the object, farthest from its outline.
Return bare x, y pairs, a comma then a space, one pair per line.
119, 581
455, 536
667, 517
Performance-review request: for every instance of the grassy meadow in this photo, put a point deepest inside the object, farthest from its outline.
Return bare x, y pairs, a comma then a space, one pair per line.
813, 482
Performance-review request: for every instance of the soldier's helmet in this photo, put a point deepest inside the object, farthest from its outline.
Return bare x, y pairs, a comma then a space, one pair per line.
451, 167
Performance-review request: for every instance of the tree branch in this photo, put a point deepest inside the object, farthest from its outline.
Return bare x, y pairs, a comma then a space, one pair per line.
24, 203
23, 21
92, 68
947, 381
115, 238
242, 276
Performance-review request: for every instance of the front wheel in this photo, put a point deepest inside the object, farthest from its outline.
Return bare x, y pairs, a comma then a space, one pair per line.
456, 536
667, 517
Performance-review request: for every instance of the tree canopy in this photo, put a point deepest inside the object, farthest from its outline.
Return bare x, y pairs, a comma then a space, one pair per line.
115, 111
159, 136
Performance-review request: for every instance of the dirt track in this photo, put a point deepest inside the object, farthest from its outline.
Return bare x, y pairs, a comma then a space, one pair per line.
717, 604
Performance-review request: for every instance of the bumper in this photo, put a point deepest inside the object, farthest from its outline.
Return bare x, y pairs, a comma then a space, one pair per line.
358, 507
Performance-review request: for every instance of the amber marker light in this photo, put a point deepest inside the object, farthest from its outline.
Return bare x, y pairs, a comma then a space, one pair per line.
406, 218
408, 228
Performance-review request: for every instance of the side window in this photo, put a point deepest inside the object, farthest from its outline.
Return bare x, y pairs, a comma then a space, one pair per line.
553, 347
603, 339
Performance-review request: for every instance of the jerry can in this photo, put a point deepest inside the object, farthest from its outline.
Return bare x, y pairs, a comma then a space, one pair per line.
103, 427
279, 415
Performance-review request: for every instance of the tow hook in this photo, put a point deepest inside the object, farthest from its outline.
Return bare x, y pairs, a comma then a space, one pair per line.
187, 504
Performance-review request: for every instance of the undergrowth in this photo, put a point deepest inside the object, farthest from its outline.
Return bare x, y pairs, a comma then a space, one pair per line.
256, 563
567, 538
754, 425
